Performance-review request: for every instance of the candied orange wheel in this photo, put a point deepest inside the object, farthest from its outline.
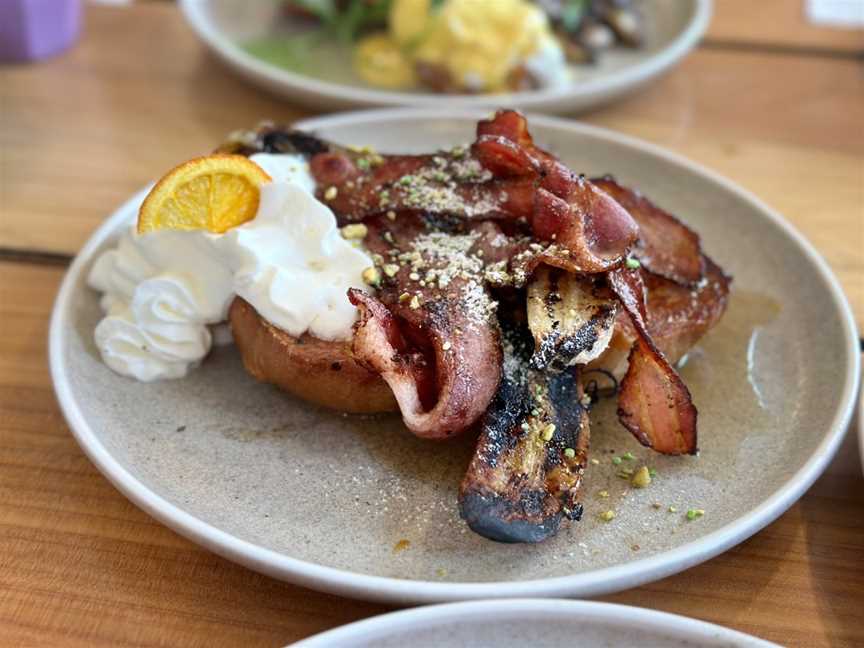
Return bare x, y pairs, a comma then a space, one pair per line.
213, 193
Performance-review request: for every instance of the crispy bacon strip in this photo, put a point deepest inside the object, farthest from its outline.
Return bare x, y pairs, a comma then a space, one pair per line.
678, 317
581, 220
445, 183
504, 176
444, 383
431, 332
593, 231
653, 403
666, 247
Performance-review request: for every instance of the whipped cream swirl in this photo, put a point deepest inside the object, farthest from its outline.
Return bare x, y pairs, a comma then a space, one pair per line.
162, 291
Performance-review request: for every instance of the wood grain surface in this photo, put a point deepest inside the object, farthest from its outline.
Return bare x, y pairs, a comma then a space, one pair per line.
80, 565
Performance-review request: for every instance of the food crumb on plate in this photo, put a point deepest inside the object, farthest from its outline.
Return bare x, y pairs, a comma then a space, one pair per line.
402, 545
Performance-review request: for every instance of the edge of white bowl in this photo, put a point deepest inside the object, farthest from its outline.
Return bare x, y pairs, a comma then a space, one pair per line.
402, 591
310, 90
538, 611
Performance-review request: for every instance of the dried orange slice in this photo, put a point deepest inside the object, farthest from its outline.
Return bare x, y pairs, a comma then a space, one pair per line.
213, 193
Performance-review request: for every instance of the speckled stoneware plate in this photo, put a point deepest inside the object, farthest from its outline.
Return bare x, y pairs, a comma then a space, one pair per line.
673, 28
538, 623
359, 507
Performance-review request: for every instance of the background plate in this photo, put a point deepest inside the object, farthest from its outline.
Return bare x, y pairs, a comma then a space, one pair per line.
674, 28
531, 622
323, 500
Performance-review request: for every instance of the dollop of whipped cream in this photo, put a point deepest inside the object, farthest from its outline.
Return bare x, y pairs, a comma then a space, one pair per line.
162, 291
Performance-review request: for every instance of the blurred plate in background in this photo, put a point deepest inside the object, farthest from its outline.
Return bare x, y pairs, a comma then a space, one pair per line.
539, 623
228, 27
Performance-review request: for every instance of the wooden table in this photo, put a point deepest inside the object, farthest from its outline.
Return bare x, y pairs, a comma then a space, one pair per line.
774, 104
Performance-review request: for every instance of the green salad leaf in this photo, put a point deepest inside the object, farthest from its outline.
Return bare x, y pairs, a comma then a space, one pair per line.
572, 13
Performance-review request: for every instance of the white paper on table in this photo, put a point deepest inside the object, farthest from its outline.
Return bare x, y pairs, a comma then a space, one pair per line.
836, 13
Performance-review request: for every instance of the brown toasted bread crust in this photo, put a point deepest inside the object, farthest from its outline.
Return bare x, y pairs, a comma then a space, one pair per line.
322, 372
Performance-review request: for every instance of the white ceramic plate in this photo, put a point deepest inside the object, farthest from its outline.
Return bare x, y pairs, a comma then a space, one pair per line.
861, 426
674, 28
534, 623
325, 500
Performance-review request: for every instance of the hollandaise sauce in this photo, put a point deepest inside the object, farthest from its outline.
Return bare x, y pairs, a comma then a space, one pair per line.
462, 46
476, 44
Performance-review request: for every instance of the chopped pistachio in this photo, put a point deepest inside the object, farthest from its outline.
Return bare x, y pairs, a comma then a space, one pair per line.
692, 514
607, 516
632, 263
628, 456
616, 460
642, 478
652, 473
548, 432
446, 346
331, 193
372, 276
415, 302
673, 509
569, 453
391, 269
604, 494
404, 297
625, 473
355, 231
363, 164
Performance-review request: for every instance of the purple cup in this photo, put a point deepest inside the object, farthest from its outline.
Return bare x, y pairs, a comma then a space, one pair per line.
35, 29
